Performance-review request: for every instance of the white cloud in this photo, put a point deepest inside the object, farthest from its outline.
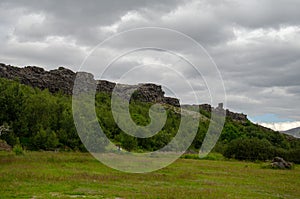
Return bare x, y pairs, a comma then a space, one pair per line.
246, 36
256, 44
129, 17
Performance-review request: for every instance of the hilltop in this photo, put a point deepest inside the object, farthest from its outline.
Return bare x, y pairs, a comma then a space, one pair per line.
62, 80
36, 106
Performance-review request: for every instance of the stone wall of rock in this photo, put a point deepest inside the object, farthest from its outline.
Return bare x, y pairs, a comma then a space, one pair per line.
54, 80
234, 116
62, 79
206, 107
171, 100
150, 93
105, 86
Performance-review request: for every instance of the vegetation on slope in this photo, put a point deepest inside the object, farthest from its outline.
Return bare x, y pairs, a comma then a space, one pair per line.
40, 120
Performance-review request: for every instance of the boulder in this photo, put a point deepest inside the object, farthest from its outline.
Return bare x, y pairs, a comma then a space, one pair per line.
4, 146
280, 163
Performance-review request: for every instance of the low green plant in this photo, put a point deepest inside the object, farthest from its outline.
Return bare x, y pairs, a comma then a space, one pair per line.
214, 156
18, 150
210, 156
190, 156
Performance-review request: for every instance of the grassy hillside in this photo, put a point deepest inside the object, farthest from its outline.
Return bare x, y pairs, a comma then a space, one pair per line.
39, 120
78, 175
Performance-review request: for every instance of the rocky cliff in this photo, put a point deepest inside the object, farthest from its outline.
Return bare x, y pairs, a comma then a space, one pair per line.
234, 116
54, 80
62, 79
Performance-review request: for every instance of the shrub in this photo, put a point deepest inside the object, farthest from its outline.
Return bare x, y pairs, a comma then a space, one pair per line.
249, 149
190, 156
45, 139
210, 156
293, 156
18, 150
214, 156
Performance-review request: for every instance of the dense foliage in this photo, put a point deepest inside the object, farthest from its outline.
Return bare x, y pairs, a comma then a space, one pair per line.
39, 120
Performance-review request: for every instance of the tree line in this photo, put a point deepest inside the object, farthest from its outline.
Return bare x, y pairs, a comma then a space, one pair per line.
39, 120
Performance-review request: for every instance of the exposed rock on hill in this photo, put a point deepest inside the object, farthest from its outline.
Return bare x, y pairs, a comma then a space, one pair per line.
54, 80
62, 79
234, 116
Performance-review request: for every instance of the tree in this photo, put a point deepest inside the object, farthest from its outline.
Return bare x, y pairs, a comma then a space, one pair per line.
249, 149
45, 139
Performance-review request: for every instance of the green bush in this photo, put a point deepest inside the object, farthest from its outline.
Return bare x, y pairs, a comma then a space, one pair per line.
292, 155
18, 150
45, 139
210, 156
214, 156
249, 149
44, 121
190, 156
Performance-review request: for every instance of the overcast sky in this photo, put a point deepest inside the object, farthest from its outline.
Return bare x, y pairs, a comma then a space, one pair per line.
255, 45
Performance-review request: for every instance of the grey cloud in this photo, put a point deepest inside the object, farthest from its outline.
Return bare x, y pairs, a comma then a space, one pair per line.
79, 19
267, 13
260, 72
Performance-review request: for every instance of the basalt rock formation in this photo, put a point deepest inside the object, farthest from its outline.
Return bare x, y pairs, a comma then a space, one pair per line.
234, 116
62, 79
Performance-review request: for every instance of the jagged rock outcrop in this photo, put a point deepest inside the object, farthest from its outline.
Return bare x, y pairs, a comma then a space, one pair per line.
206, 107
62, 79
171, 100
234, 116
150, 92
154, 93
105, 86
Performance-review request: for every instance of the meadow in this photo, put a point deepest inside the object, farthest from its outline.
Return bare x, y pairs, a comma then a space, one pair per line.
79, 175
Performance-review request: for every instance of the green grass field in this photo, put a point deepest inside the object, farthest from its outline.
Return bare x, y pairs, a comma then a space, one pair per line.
79, 175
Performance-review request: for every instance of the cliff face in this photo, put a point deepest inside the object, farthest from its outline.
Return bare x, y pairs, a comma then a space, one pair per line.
62, 79
234, 116
55, 80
